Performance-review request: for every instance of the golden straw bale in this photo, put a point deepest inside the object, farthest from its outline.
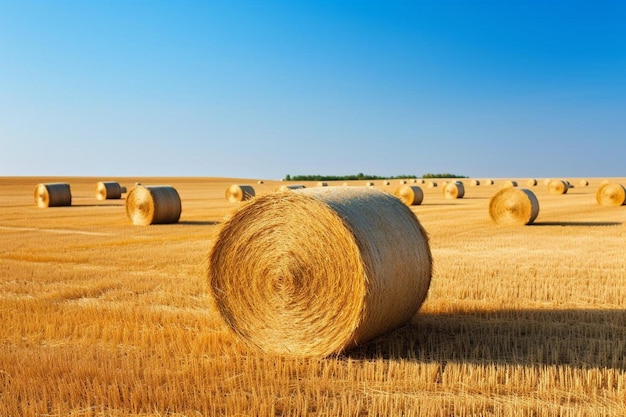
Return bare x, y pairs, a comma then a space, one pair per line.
369, 184
558, 187
411, 195
402, 182
488, 182
159, 204
320, 270
322, 184
109, 190
385, 182
123, 189
583, 183
513, 206
531, 182
611, 194
260, 182
454, 190
237, 193
284, 188
546, 181
431, 184
55, 194
474, 183
508, 184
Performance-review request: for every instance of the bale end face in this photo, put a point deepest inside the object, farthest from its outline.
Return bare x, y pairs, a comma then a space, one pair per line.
513, 206
611, 194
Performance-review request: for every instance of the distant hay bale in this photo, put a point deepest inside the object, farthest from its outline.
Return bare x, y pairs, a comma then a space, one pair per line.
583, 183
454, 190
531, 182
237, 193
558, 187
411, 195
284, 188
513, 206
414, 181
260, 182
488, 182
322, 184
109, 190
611, 194
55, 194
546, 181
369, 184
319, 271
402, 182
123, 189
385, 182
158, 204
431, 184
508, 184
474, 183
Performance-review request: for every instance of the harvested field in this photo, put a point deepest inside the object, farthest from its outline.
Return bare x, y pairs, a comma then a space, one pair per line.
103, 318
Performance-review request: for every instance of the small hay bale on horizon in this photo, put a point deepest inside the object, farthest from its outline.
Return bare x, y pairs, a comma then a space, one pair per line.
109, 190
411, 195
531, 182
157, 204
237, 193
431, 184
513, 206
611, 194
474, 183
508, 184
321, 184
583, 183
319, 271
54, 194
284, 188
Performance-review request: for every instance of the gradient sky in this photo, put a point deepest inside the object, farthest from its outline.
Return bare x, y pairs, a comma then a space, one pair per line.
261, 89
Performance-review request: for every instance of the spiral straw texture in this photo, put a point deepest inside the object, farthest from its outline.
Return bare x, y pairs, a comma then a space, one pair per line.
158, 204
558, 187
513, 206
411, 195
55, 194
108, 190
320, 270
454, 190
237, 193
611, 194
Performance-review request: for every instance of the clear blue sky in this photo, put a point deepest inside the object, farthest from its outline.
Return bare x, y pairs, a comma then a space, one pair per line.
261, 89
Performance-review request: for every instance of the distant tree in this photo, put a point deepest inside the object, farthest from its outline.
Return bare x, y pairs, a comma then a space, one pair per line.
443, 175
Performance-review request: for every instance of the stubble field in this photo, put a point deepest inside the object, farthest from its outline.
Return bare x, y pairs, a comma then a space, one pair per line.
102, 318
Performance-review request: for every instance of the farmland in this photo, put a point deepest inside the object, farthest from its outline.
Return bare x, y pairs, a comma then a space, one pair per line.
100, 317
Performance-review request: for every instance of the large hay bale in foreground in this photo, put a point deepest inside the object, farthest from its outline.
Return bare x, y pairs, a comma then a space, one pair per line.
158, 204
237, 193
611, 194
558, 187
513, 206
411, 195
318, 271
454, 190
109, 190
54, 194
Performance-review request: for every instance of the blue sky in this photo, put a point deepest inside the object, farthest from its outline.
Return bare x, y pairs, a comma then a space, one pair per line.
261, 89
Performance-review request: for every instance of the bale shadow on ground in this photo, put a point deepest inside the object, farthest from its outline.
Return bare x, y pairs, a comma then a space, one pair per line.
576, 224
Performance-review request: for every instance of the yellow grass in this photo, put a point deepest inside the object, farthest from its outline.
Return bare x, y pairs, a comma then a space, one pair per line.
101, 318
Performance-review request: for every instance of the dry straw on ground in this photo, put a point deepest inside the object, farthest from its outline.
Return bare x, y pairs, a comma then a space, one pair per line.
411, 195
284, 188
513, 206
454, 190
56, 194
611, 194
318, 271
158, 204
558, 187
109, 190
237, 193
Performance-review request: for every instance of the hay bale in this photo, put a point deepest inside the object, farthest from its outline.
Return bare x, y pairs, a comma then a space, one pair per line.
237, 193
488, 182
369, 184
123, 189
611, 194
402, 182
411, 195
322, 184
109, 190
55, 194
385, 182
284, 188
546, 181
513, 206
583, 183
159, 204
508, 184
474, 183
558, 187
260, 182
454, 190
531, 182
320, 270
431, 184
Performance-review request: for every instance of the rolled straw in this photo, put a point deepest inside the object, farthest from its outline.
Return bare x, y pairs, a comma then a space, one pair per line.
320, 270
513, 206
474, 183
109, 190
55, 194
237, 193
611, 194
411, 195
322, 184
284, 188
508, 184
531, 182
158, 204
454, 190
558, 187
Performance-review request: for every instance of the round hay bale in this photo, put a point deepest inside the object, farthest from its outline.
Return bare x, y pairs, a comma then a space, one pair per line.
385, 182
55, 194
414, 181
284, 188
431, 184
546, 181
402, 182
454, 190
369, 184
123, 189
513, 206
558, 187
488, 182
108, 190
508, 184
260, 182
583, 183
474, 183
411, 195
531, 182
159, 204
322, 184
611, 194
319, 271
237, 193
